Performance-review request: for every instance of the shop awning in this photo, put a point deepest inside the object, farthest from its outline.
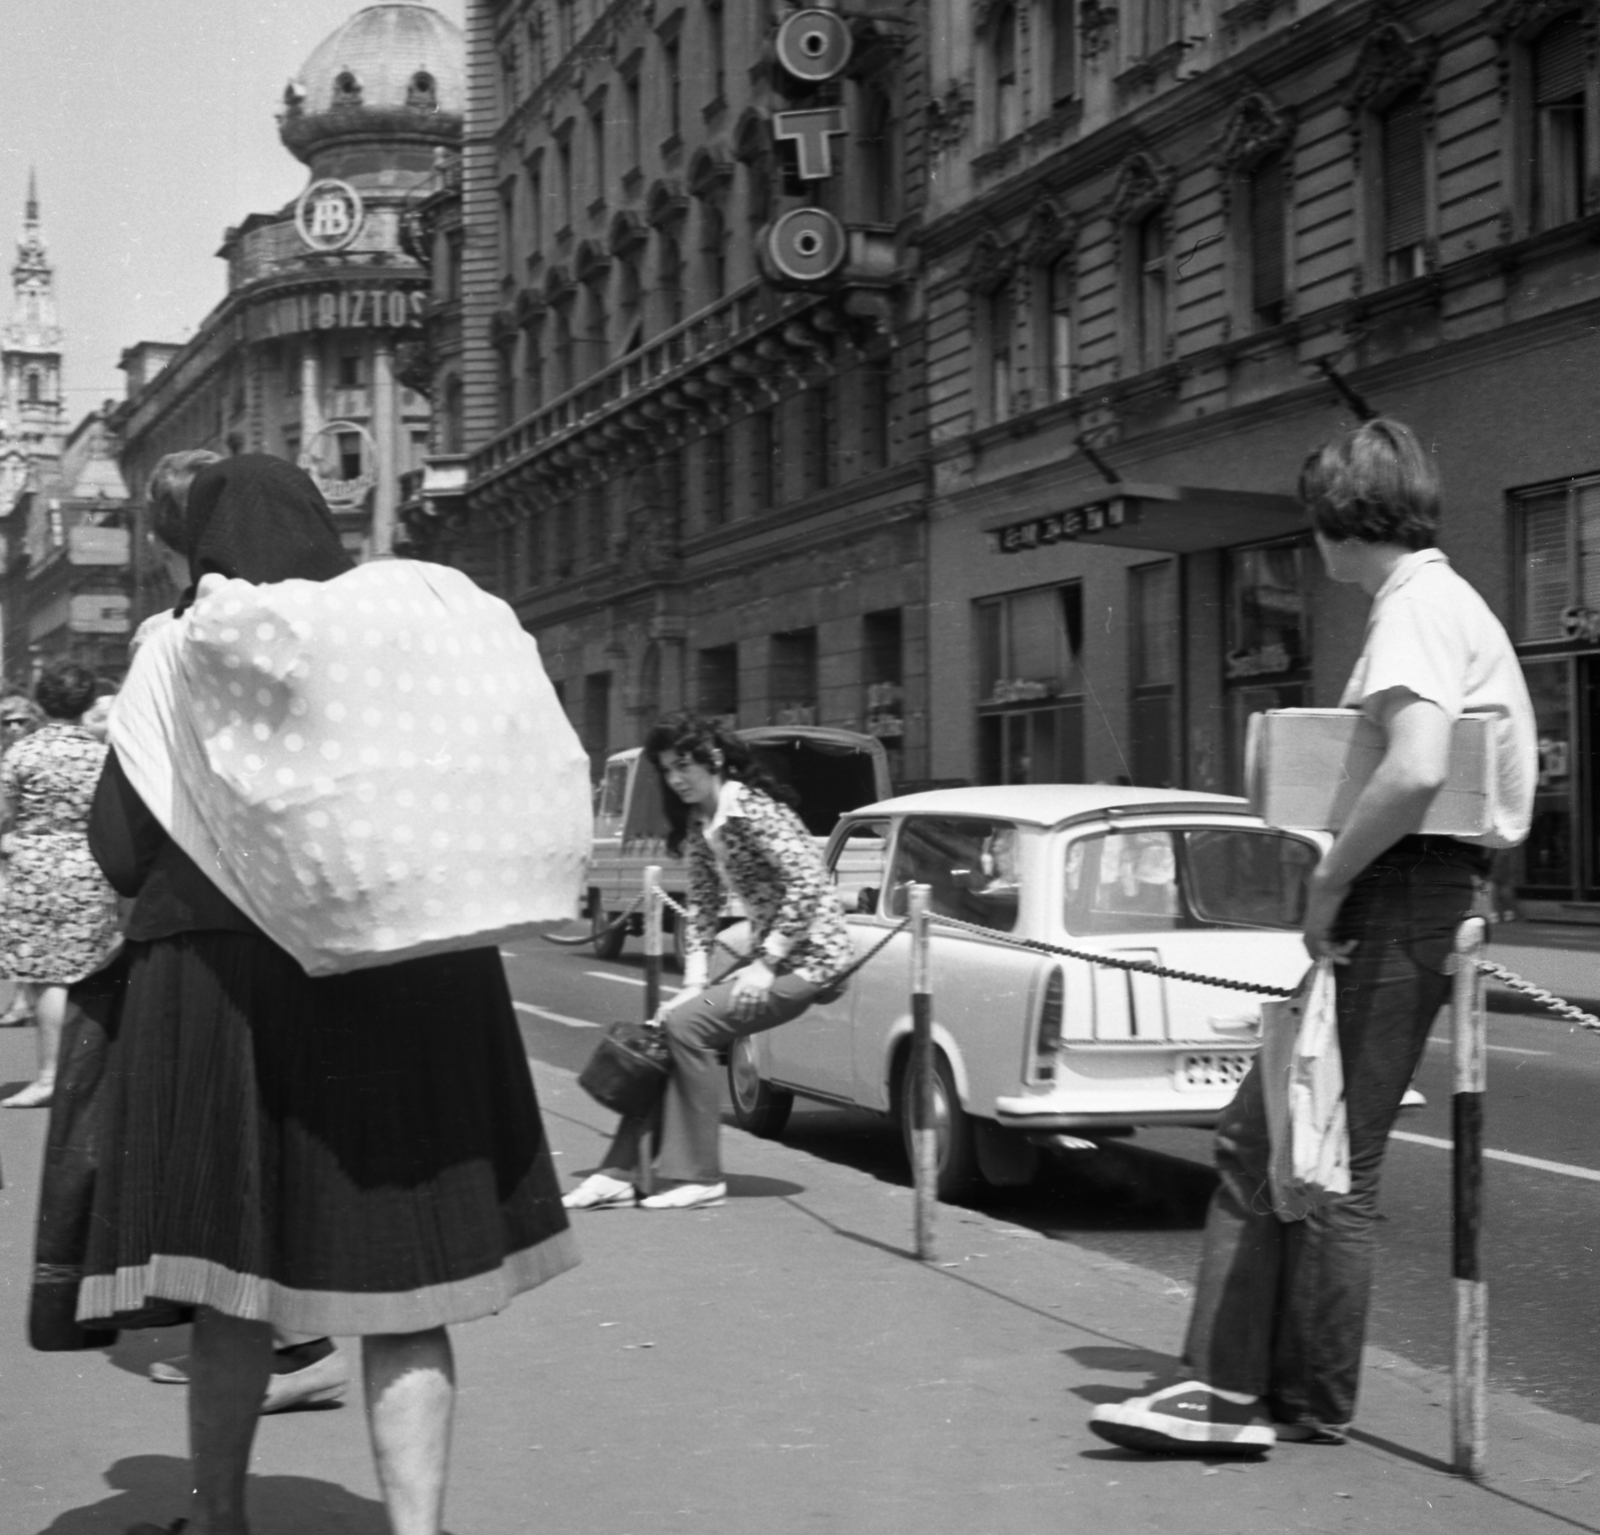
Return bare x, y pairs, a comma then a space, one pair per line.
1169, 519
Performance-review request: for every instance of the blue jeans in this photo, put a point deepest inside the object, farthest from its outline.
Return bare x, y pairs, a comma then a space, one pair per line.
1280, 1308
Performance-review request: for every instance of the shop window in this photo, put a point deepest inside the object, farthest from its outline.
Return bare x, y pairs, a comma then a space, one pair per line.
1030, 706
1268, 202
1405, 189
597, 145
717, 682
1559, 70
1153, 674
793, 677
1267, 637
819, 409
876, 382
766, 460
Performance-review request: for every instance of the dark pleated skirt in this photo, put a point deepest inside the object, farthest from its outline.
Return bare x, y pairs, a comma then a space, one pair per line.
360, 1153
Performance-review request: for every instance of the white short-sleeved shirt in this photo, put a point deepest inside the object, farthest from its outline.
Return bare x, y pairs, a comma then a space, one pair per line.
1432, 634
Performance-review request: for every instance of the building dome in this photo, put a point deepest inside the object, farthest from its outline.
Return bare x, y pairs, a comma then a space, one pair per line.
389, 69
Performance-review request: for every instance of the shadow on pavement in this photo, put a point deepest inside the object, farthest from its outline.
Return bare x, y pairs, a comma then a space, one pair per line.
134, 1352
156, 1488
748, 1186
1131, 1361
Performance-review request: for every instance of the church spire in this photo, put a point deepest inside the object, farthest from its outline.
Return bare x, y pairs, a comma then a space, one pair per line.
30, 212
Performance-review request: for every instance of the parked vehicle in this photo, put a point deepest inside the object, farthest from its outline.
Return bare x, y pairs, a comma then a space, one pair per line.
1033, 1047
832, 771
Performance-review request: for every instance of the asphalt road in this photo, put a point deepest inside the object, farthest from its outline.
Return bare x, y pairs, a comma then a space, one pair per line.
1144, 1200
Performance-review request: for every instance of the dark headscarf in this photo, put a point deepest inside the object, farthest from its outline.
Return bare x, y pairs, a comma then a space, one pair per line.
260, 519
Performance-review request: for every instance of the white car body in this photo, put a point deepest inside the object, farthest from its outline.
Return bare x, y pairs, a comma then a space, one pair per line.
1039, 1044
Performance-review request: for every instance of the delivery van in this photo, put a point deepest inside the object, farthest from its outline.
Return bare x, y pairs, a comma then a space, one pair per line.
831, 771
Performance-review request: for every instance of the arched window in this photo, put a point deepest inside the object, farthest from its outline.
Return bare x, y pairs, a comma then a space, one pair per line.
880, 192
669, 279
450, 434
630, 323
346, 89
1150, 289
714, 250
34, 392
1007, 97
1560, 71
422, 95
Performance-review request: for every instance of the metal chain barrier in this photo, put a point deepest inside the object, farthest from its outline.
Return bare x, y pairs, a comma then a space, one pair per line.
1558, 1005
1144, 966
604, 932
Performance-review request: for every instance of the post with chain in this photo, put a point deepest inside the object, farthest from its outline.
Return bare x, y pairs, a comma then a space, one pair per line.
924, 1132
1468, 1048
652, 939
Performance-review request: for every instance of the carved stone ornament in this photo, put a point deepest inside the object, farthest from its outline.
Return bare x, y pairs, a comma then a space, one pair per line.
948, 113
710, 173
1143, 184
1049, 236
1256, 129
1391, 63
665, 204
991, 264
752, 136
558, 286
626, 233
592, 263
1096, 23
1521, 18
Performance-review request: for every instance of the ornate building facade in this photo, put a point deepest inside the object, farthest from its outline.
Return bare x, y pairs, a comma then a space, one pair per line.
33, 416
699, 481
315, 351
1169, 249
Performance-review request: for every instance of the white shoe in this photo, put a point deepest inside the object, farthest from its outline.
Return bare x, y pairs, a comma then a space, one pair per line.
1412, 1099
688, 1196
599, 1191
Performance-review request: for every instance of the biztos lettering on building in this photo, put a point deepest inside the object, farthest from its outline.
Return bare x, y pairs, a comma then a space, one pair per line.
807, 246
351, 309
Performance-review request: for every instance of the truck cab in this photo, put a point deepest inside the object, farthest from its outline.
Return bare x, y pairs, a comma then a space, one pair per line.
832, 771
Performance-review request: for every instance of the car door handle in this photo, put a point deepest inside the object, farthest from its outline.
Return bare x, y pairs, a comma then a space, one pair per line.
1235, 1023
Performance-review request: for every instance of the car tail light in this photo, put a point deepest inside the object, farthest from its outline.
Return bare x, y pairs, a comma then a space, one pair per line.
1048, 1040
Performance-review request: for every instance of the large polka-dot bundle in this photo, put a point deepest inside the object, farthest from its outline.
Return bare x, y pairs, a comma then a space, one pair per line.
384, 766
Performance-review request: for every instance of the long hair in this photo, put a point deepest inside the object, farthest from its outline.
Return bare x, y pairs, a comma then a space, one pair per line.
714, 747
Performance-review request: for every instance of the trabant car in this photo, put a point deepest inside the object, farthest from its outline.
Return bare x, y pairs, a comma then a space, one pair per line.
1034, 1049
830, 771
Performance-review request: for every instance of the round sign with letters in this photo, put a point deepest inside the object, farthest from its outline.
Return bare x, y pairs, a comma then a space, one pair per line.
807, 245
814, 45
328, 215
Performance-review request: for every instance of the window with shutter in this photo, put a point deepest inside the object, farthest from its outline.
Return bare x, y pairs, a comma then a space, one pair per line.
1152, 236
1267, 213
1560, 70
1404, 188
1063, 52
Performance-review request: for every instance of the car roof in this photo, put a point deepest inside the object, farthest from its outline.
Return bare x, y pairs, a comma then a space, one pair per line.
760, 735
1050, 804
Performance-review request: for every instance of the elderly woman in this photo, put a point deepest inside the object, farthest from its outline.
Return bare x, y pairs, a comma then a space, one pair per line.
58, 919
743, 839
359, 1154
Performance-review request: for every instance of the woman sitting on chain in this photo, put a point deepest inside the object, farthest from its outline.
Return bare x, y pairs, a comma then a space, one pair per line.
742, 839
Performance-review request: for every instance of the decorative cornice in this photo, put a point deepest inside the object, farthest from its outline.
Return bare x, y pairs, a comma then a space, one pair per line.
948, 113
991, 264
665, 204
1143, 183
1256, 128
1391, 62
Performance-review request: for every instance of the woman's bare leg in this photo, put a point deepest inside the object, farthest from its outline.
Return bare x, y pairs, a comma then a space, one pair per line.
411, 1394
229, 1361
50, 1013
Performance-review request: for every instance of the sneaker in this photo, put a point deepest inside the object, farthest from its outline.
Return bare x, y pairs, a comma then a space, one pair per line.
688, 1196
599, 1191
1312, 1432
1189, 1418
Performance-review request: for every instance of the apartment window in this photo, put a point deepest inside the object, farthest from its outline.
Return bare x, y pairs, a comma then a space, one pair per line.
716, 49
883, 681
717, 682
349, 373
1560, 88
714, 464
766, 460
567, 190
633, 119
1000, 323
505, 382
879, 186
566, 25
714, 249
1063, 50
1159, 24
876, 384
563, 376
533, 362
793, 677
535, 170
597, 146
1030, 705
537, 65
819, 424
1007, 96
672, 71
508, 226
1405, 217
630, 322
1153, 674
669, 280
291, 370
1268, 197
1150, 289
348, 447
1057, 283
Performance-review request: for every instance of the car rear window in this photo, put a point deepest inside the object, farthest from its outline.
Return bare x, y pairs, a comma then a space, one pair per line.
970, 867
1164, 880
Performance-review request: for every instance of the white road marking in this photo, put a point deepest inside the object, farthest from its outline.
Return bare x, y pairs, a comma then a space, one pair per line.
1444, 1044
544, 1012
1566, 1169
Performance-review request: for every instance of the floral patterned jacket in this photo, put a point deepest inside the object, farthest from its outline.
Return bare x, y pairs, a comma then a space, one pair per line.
772, 864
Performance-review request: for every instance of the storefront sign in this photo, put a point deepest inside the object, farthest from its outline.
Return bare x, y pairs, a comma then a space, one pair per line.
1266, 661
329, 215
1581, 623
320, 459
1062, 527
352, 309
1022, 690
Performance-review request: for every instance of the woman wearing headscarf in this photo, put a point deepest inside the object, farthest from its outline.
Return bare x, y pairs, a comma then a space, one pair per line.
356, 1154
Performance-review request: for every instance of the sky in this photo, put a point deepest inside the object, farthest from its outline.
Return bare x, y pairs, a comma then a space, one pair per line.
152, 127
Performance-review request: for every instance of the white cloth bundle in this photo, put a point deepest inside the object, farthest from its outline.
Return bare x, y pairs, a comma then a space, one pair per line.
371, 768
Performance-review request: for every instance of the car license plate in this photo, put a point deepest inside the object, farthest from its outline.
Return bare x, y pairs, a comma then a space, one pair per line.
1214, 1068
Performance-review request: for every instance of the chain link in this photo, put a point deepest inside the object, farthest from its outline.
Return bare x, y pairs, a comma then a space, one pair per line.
1558, 1005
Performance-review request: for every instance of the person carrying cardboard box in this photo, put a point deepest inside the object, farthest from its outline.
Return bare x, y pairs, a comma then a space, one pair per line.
1274, 1343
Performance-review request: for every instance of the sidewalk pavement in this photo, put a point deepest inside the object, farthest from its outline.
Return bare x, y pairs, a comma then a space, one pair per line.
1563, 958
778, 1364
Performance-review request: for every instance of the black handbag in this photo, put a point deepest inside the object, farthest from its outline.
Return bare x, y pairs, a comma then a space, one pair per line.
628, 1071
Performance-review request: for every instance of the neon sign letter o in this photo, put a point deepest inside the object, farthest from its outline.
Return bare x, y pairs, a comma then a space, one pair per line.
814, 45
807, 245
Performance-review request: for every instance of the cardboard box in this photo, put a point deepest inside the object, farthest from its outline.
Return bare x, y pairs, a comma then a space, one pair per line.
1305, 767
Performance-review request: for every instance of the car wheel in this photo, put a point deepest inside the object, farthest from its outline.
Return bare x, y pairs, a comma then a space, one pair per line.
758, 1106
607, 940
955, 1154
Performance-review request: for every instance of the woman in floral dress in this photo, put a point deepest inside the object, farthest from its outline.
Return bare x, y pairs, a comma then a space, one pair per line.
58, 917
